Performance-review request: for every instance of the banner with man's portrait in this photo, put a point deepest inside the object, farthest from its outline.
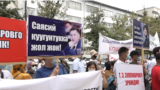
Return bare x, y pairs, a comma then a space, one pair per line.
50, 37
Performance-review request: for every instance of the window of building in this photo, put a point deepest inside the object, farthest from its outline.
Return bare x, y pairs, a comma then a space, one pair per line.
90, 8
119, 15
85, 41
108, 13
30, 11
74, 19
74, 5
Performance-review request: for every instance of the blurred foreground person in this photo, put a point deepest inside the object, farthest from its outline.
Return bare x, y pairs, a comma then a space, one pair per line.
91, 66
31, 68
5, 74
50, 69
18, 72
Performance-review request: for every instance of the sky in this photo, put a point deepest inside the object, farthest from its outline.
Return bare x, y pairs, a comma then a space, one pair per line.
132, 5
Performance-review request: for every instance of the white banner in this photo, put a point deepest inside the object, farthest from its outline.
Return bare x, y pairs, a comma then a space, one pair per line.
80, 81
129, 77
154, 41
113, 57
111, 46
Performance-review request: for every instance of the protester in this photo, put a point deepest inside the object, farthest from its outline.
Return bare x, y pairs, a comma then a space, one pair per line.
93, 54
78, 65
135, 55
84, 61
5, 74
50, 69
91, 66
152, 63
156, 74
65, 65
74, 46
18, 72
109, 69
123, 55
40, 63
31, 68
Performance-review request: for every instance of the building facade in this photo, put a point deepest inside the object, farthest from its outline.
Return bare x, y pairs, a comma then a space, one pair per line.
77, 11
151, 11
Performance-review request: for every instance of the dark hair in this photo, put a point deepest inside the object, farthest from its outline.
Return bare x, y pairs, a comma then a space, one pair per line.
134, 52
84, 58
158, 56
146, 26
109, 64
68, 22
113, 62
156, 49
122, 50
89, 64
74, 28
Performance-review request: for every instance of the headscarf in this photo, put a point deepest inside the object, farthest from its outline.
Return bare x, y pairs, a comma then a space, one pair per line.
29, 68
18, 67
19, 73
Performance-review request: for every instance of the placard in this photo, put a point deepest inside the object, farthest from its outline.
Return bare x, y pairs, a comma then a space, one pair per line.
140, 35
50, 37
13, 44
129, 77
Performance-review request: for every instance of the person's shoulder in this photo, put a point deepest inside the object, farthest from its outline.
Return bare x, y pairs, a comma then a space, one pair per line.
26, 76
5, 71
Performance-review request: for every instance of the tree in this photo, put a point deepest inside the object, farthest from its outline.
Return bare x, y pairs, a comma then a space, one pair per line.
95, 22
51, 9
154, 23
122, 26
9, 12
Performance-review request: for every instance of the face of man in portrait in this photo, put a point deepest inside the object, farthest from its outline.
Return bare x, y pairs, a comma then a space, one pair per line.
68, 27
75, 36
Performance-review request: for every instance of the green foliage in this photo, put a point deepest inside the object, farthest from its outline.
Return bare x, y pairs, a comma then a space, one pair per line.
51, 9
95, 22
8, 12
154, 23
122, 26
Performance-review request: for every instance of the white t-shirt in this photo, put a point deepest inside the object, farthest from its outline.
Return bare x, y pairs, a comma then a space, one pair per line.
7, 74
150, 65
84, 62
78, 65
114, 68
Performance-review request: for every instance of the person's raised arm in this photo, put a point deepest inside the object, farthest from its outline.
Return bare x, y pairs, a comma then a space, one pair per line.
105, 83
55, 71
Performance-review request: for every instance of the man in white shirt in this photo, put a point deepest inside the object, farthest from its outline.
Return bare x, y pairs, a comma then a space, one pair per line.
78, 65
123, 55
5, 74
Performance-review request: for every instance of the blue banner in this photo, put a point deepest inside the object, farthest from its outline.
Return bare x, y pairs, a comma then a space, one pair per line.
50, 37
140, 34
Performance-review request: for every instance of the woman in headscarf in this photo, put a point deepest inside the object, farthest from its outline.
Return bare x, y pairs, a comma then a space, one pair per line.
18, 72
31, 68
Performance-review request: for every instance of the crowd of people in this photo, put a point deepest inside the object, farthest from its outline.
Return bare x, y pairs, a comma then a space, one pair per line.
48, 68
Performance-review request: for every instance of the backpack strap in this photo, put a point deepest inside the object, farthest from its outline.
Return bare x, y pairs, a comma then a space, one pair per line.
17, 75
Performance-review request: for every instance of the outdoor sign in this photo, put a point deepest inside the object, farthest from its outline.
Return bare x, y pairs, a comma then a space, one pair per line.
50, 37
140, 35
13, 44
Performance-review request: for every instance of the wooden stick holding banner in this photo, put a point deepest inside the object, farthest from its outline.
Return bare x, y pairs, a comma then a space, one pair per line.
142, 53
57, 62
